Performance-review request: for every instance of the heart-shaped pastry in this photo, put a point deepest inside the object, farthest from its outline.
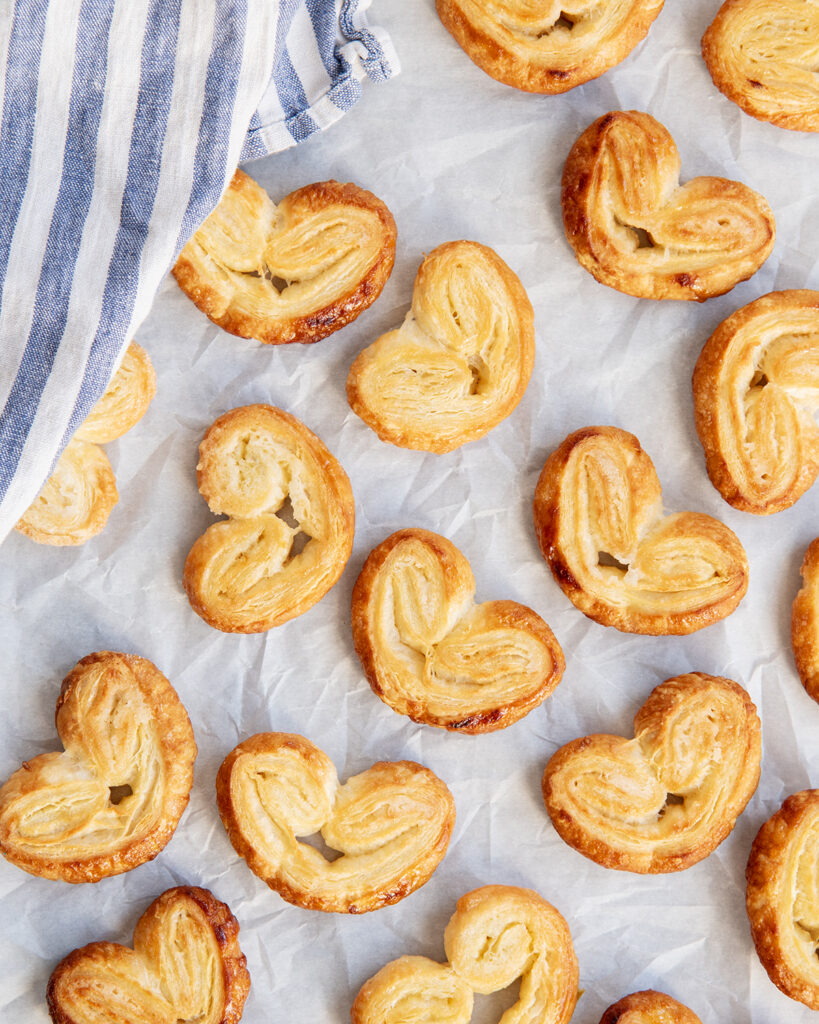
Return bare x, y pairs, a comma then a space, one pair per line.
295, 272
805, 622
649, 1007
497, 934
76, 500
755, 387
782, 898
392, 823
635, 228
614, 553
290, 527
763, 55
460, 362
551, 46
112, 799
186, 967
431, 653
666, 799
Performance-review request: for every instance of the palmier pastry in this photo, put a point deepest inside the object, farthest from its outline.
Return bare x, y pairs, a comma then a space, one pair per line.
290, 527
635, 228
112, 799
186, 967
460, 362
392, 823
782, 897
431, 653
763, 55
649, 1007
666, 799
805, 623
614, 553
551, 46
497, 934
76, 500
295, 272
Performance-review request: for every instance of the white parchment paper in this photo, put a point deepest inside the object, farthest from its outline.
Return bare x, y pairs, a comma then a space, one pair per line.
455, 155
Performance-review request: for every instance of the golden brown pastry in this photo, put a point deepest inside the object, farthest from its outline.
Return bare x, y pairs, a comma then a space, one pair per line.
76, 500
295, 272
635, 228
754, 391
186, 967
550, 46
290, 527
805, 623
649, 1007
763, 54
666, 799
498, 934
392, 823
460, 362
112, 799
431, 653
782, 897
615, 554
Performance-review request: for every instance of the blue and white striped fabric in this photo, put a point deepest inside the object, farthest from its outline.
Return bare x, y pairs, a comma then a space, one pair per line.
122, 122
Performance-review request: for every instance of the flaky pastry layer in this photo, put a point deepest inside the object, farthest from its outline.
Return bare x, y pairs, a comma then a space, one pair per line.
805, 622
649, 1007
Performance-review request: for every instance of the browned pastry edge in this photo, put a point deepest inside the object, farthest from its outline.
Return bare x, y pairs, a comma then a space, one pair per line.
649, 1007
805, 622
321, 322
225, 931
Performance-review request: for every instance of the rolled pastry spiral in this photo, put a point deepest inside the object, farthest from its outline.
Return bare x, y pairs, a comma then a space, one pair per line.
756, 388
600, 525
431, 653
805, 622
649, 1007
280, 488
497, 934
635, 228
764, 54
549, 46
186, 967
292, 272
113, 798
460, 362
391, 823
666, 799
782, 897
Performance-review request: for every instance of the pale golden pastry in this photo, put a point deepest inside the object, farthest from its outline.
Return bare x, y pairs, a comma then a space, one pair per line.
431, 653
292, 272
614, 552
764, 55
635, 228
498, 934
782, 898
649, 1007
125, 401
756, 386
460, 362
186, 967
805, 623
666, 799
112, 800
290, 527
391, 823
547, 46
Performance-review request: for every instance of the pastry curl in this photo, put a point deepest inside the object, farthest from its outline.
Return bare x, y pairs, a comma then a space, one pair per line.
805, 623
635, 228
551, 46
125, 400
666, 799
649, 1007
497, 934
756, 385
460, 362
431, 653
392, 823
290, 527
763, 54
295, 272
614, 553
186, 967
782, 898
112, 800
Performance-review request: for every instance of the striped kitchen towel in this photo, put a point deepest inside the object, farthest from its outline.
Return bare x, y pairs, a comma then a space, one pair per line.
121, 123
